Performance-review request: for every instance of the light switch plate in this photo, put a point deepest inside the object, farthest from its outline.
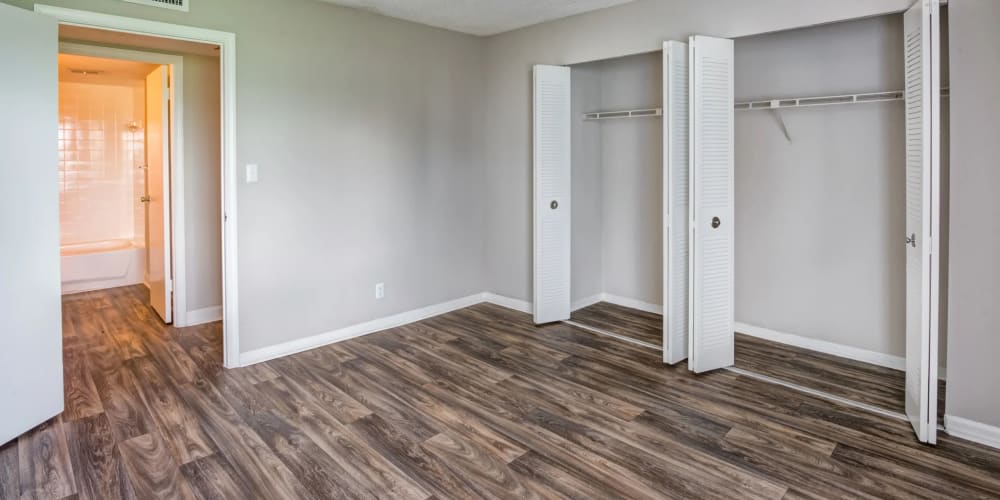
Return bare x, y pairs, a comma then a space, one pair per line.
251, 173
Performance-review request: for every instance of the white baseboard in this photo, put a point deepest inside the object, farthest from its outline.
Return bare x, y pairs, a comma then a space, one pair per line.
204, 315
633, 303
92, 285
314, 341
515, 304
617, 300
973, 431
857, 354
586, 301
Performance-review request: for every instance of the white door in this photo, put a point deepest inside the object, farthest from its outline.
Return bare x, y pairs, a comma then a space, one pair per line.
921, 37
551, 137
675, 201
158, 193
711, 220
31, 373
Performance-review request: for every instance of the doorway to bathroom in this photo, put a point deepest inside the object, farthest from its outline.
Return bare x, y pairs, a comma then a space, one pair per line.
116, 134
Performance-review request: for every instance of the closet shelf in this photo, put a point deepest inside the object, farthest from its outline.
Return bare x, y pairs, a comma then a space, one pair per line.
803, 102
628, 113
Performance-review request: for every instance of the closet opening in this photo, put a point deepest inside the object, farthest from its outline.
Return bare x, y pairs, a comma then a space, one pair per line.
821, 192
774, 205
617, 146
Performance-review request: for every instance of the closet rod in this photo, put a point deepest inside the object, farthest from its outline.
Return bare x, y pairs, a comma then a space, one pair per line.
628, 113
803, 102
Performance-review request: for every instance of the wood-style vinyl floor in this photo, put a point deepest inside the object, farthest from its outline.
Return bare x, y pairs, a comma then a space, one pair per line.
474, 403
858, 381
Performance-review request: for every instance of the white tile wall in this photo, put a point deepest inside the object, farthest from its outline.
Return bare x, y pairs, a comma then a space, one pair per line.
99, 157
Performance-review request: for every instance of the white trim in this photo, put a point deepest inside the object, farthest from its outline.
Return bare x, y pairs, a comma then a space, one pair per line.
633, 303
350, 332
204, 315
855, 353
515, 304
177, 211
977, 432
227, 63
586, 302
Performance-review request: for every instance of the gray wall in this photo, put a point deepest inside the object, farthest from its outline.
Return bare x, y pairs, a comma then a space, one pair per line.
586, 248
631, 28
974, 285
368, 133
202, 182
820, 219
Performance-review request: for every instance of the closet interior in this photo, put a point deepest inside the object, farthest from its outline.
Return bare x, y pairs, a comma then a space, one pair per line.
829, 145
617, 191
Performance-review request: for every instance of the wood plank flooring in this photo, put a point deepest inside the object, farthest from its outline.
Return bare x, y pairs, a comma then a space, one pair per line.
858, 381
476, 403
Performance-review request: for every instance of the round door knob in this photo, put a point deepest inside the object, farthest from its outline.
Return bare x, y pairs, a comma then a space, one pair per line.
716, 222
554, 205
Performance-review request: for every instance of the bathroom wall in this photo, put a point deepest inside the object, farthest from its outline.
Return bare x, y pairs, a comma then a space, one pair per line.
99, 155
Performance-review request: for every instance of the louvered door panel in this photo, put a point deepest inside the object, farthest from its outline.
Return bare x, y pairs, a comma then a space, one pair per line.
711, 344
676, 116
551, 137
921, 37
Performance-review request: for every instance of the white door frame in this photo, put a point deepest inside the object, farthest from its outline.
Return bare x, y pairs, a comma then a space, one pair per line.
177, 221
227, 68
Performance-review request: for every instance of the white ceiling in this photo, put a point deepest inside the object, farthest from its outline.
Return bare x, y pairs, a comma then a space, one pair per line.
478, 17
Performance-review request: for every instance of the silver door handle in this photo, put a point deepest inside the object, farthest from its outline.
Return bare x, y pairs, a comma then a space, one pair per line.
912, 240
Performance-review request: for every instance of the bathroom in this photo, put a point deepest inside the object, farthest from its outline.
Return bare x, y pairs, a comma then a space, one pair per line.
111, 160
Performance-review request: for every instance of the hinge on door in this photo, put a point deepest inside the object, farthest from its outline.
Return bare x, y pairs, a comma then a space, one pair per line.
169, 285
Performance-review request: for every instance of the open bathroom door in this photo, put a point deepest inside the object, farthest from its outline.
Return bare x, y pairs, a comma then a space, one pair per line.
675, 201
551, 149
31, 368
921, 39
158, 265
712, 342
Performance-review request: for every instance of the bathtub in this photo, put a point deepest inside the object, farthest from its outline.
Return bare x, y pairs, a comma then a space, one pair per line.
101, 264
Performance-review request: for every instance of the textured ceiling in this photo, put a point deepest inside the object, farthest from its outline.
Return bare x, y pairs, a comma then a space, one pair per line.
478, 17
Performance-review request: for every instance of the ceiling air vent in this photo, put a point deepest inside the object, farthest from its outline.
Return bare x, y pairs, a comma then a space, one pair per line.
164, 4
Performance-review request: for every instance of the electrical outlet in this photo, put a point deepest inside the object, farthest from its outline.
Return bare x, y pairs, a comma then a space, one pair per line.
379, 290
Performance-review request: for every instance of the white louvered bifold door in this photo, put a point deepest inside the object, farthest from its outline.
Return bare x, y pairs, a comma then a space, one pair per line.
551, 136
921, 37
675, 201
711, 219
